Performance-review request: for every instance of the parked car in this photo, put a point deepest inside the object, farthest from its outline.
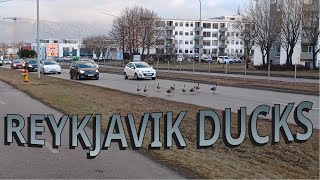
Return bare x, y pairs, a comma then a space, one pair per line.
51, 66
224, 60
83, 70
237, 60
17, 64
139, 70
90, 60
7, 61
32, 64
207, 59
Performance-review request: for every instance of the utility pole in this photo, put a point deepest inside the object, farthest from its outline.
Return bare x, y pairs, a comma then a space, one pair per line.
14, 33
200, 33
38, 41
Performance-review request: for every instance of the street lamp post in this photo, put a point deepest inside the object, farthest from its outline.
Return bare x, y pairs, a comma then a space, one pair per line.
38, 41
200, 33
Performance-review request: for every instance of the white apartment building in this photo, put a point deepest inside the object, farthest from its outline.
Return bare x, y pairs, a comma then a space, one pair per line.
218, 37
302, 52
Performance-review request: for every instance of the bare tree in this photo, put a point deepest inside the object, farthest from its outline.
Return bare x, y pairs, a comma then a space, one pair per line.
248, 34
310, 25
291, 20
266, 26
136, 28
99, 44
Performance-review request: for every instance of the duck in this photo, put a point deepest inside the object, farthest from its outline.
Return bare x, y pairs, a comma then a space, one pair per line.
214, 89
198, 87
158, 87
184, 89
145, 89
173, 87
138, 88
192, 89
169, 91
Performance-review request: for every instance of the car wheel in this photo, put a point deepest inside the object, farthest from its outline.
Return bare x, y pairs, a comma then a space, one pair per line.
59, 72
97, 78
136, 76
125, 76
71, 77
153, 78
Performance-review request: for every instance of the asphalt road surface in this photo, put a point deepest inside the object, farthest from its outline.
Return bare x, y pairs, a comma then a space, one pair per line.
283, 79
63, 163
225, 97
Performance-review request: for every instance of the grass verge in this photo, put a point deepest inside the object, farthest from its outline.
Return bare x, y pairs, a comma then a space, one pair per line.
283, 161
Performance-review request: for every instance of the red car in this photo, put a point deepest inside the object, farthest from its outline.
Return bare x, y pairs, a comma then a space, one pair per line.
17, 64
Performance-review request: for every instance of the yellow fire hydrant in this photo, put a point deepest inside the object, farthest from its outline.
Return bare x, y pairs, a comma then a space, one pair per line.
25, 75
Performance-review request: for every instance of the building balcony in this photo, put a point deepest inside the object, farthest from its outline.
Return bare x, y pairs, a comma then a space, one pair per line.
197, 46
221, 46
170, 36
306, 56
197, 37
170, 28
198, 28
223, 29
223, 38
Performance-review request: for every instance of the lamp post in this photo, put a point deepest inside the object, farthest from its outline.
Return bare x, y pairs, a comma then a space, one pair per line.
38, 41
200, 33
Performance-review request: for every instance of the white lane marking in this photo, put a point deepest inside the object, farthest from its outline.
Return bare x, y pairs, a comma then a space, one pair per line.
294, 105
48, 145
1, 102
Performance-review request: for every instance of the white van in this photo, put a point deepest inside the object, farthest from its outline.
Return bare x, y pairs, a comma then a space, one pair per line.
225, 59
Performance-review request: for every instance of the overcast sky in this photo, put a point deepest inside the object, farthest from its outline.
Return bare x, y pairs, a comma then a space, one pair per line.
60, 18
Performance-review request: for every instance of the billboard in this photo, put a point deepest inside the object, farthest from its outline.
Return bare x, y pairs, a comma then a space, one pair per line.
52, 50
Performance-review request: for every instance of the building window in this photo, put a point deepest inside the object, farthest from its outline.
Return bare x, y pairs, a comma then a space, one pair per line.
191, 24
191, 42
186, 51
215, 26
186, 42
232, 42
232, 34
191, 33
180, 50
207, 25
186, 33
206, 43
215, 43
191, 51
176, 33
181, 33
214, 34
181, 24
187, 24
206, 34
180, 42
176, 24
309, 49
222, 25
228, 34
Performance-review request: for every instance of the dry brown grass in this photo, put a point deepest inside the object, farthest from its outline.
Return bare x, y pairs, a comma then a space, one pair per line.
246, 161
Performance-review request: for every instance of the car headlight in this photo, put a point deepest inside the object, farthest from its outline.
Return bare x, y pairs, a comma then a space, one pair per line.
140, 71
81, 71
30, 65
97, 70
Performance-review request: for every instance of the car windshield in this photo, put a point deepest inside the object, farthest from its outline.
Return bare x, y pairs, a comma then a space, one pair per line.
17, 61
32, 62
226, 57
142, 65
50, 63
86, 65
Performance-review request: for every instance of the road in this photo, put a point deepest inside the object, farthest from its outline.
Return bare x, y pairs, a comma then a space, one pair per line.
283, 79
43, 163
225, 97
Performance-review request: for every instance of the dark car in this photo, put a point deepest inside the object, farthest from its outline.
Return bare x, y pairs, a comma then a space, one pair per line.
83, 70
17, 64
32, 65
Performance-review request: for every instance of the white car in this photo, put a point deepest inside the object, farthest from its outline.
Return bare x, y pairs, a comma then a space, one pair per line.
7, 61
224, 60
139, 70
47, 67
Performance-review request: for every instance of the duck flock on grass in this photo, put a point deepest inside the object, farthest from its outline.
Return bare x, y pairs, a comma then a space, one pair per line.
173, 89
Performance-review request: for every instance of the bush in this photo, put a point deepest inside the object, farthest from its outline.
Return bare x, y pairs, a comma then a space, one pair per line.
278, 67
